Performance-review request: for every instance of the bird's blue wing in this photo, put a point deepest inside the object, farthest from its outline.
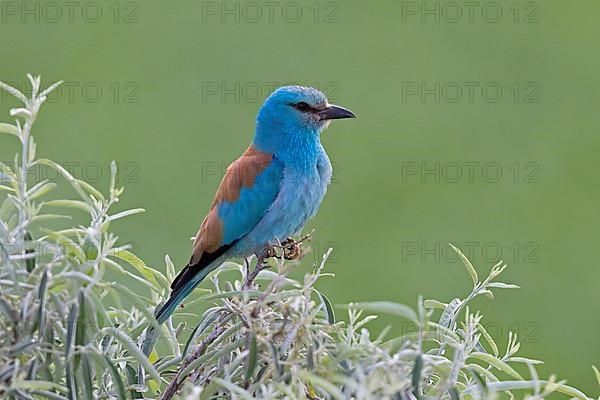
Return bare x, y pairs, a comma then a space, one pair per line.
255, 197
248, 189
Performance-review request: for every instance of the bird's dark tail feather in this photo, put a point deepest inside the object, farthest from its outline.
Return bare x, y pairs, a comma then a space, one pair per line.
188, 279
181, 292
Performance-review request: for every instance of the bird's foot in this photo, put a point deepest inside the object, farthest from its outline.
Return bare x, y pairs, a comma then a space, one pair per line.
269, 252
292, 249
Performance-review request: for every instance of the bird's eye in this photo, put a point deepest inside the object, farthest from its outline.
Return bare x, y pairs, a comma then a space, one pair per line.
302, 106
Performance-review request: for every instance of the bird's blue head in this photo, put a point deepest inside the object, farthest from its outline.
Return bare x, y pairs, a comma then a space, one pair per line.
294, 114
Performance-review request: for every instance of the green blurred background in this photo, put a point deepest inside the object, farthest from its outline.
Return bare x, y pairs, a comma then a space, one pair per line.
181, 83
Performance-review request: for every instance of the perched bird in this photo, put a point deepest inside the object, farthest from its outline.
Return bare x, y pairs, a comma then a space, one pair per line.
270, 192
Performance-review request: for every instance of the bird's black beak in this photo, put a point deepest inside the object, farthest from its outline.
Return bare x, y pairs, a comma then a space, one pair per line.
335, 112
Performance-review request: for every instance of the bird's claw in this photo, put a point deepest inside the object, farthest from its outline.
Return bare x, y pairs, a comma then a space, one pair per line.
291, 249
269, 252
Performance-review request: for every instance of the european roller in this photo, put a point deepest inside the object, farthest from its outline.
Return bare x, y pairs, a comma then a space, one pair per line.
270, 192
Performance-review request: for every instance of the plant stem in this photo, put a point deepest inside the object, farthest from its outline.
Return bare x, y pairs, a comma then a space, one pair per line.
220, 327
178, 380
260, 265
32, 107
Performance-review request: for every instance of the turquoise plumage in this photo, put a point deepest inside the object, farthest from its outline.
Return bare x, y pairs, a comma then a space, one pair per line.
270, 192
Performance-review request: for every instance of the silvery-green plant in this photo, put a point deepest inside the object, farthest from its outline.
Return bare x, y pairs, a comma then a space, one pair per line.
73, 328
284, 342
61, 338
